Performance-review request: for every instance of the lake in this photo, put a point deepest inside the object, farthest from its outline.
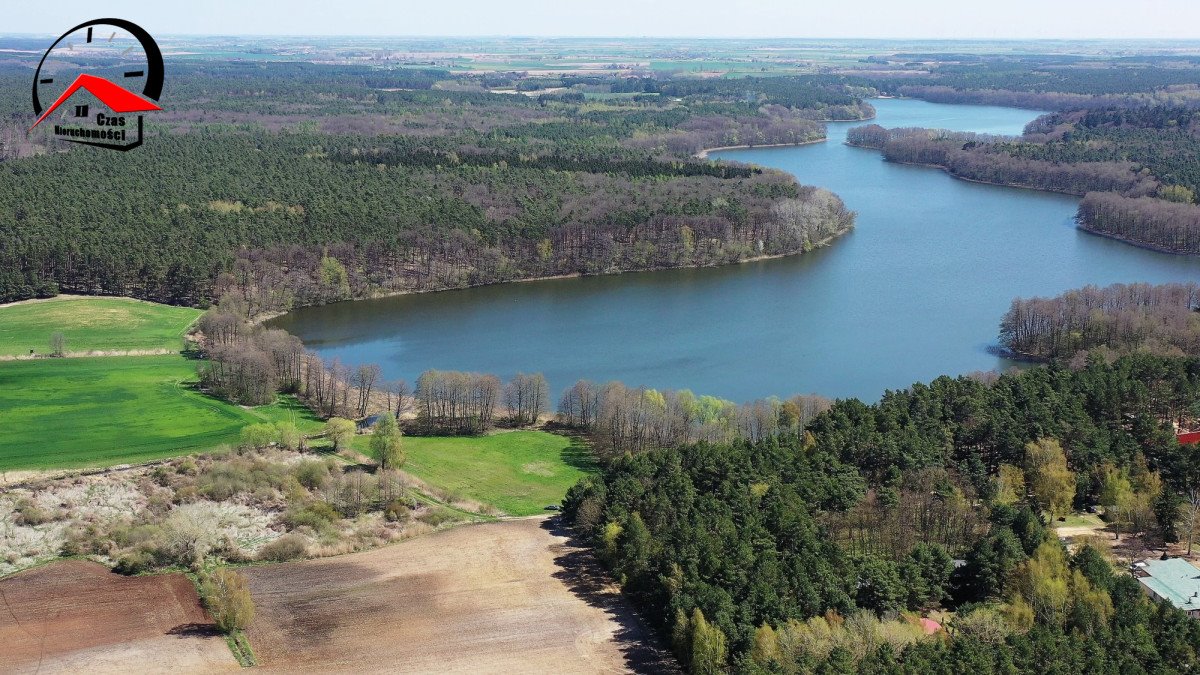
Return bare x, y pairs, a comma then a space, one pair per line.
917, 290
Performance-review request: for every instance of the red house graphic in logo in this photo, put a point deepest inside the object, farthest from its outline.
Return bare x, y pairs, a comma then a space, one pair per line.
117, 98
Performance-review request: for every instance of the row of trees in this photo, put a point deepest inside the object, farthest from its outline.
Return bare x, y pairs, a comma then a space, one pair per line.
1121, 318
248, 364
740, 544
623, 419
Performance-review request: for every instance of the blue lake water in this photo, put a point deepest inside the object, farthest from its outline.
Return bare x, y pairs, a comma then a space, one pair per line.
916, 291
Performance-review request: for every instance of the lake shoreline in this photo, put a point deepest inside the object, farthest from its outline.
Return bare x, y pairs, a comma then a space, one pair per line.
1133, 242
703, 154
1099, 233
270, 316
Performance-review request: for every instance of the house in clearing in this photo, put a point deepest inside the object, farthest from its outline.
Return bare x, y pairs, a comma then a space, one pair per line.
1174, 579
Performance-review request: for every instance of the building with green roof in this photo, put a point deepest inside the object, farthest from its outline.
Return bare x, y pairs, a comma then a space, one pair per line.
1174, 580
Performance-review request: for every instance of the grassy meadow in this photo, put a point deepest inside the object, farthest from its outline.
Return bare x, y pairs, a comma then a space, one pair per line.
100, 324
99, 411
107, 410
518, 472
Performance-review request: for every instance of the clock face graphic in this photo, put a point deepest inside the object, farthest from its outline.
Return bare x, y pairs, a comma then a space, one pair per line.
110, 70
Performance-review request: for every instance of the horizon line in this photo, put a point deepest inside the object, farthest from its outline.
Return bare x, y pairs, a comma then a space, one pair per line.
651, 37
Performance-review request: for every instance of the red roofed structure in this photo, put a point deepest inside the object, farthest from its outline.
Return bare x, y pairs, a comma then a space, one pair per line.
116, 97
1189, 437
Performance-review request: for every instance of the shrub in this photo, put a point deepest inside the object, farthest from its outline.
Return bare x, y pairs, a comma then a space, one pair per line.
396, 510
29, 513
312, 474
135, 562
259, 435
316, 515
287, 547
186, 494
340, 431
289, 436
81, 540
227, 598
437, 517
190, 531
161, 475
222, 480
353, 493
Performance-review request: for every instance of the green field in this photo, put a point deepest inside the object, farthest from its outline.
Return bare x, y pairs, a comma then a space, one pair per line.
100, 411
60, 413
93, 324
519, 472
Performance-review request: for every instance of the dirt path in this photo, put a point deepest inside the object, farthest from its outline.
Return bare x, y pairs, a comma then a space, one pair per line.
512, 596
90, 354
75, 616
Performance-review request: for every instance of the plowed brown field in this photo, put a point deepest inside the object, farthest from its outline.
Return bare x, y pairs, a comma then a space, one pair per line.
506, 597
75, 616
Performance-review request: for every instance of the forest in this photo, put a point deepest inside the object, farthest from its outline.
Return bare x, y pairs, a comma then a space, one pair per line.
1117, 319
343, 190
807, 551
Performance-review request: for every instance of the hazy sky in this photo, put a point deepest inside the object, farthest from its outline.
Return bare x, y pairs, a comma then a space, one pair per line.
700, 18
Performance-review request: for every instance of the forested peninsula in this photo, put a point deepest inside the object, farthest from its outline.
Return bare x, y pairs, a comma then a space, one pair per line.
1114, 320
357, 182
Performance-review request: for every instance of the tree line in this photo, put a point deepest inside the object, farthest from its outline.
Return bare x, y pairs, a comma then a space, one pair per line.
249, 364
755, 555
621, 419
1120, 318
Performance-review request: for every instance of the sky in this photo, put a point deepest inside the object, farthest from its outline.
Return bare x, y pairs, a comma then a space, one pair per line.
956, 19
